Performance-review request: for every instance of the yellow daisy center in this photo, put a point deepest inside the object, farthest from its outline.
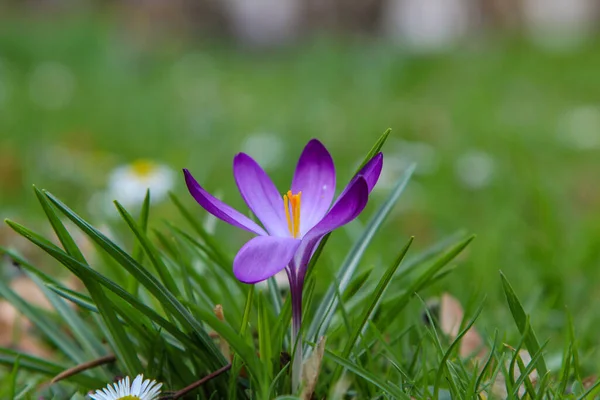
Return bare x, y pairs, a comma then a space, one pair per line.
143, 168
129, 397
291, 203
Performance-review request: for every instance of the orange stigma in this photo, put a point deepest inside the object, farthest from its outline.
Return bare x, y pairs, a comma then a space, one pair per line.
291, 203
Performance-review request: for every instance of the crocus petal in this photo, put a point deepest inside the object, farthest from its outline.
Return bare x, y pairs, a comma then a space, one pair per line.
260, 194
369, 172
263, 257
315, 178
347, 207
219, 209
372, 170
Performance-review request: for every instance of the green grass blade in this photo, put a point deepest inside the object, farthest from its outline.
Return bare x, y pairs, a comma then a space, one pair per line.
370, 377
34, 364
542, 387
520, 319
487, 364
45, 325
397, 305
526, 371
13, 379
265, 339
118, 337
204, 250
81, 332
153, 255
374, 301
376, 148
80, 329
274, 295
63, 235
91, 277
138, 251
444, 362
52, 284
236, 362
77, 298
160, 292
566, 368
239, 345
223, 259
574, 347
590, 391
326, 309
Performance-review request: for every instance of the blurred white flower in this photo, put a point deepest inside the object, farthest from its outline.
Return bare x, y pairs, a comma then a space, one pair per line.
475, 169
264, 23
139, 389
393, 166
128, 183
51, 85
426, 25
266, 148
281, 279
413, 198
579, 128
559, 24
421, 153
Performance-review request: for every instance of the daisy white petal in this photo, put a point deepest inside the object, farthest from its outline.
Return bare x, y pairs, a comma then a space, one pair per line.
125, 389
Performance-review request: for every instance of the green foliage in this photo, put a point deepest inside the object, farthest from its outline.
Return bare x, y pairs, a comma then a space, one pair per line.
152, 307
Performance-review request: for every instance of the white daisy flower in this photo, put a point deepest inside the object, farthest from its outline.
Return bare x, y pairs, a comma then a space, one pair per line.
140, 389
128, 183
579, 128
475, 169
281, 279
559, 25
426, 25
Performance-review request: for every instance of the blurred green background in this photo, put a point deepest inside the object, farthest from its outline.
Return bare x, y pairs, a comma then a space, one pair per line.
505, 133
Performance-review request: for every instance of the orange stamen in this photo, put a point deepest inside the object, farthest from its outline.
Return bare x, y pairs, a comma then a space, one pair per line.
297, 215
291, 204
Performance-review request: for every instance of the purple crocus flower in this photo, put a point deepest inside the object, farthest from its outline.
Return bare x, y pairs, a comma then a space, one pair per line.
293, 224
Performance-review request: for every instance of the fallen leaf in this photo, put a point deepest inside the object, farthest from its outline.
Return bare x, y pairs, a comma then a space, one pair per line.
30, 292
498, 389
451, 315
15, 332
311, 369
223, 345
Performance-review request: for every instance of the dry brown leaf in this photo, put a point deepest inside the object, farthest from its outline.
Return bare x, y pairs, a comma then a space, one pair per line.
451, 316
30, 292
15, 332
223, 345
589, 381
311, 369
8, 317
498, 389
